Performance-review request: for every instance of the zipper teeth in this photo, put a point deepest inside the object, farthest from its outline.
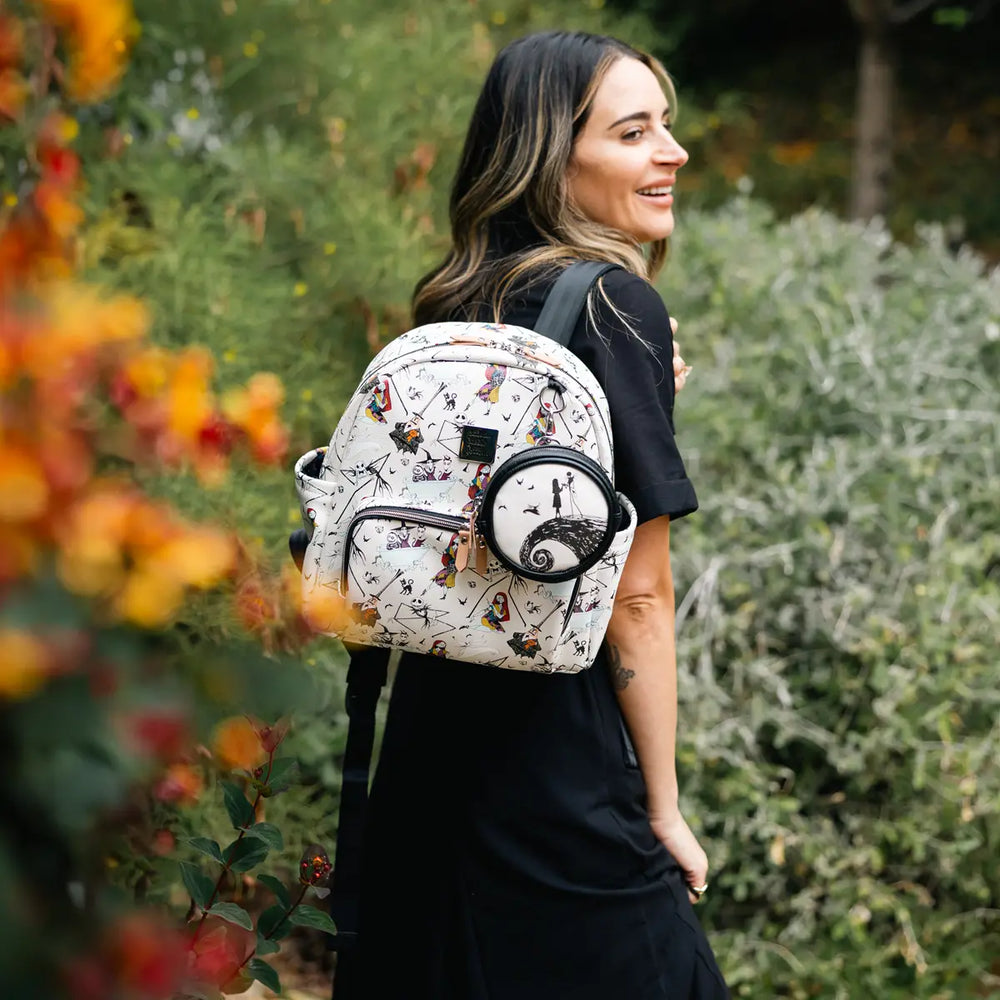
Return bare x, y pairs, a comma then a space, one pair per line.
415, 514
403, 514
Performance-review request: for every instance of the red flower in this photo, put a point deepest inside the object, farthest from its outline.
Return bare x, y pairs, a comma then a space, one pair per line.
160, 733
146, 956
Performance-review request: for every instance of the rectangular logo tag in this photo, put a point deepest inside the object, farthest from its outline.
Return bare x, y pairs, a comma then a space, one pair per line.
479, 444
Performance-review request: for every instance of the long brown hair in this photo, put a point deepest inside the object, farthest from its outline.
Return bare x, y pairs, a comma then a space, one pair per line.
511, 213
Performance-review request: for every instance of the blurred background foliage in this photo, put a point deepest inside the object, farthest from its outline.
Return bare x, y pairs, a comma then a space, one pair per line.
272, 179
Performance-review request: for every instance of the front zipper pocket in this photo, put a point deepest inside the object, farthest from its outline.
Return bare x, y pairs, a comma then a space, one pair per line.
407, 585
406, 516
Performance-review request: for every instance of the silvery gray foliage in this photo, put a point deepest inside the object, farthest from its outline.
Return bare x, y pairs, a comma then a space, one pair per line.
839, 598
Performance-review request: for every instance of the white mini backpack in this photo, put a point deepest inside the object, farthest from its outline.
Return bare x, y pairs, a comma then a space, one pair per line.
465, 506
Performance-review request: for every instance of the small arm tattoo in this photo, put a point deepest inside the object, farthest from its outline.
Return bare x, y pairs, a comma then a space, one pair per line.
620, 676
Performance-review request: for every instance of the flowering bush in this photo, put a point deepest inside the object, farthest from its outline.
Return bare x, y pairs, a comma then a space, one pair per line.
101, 705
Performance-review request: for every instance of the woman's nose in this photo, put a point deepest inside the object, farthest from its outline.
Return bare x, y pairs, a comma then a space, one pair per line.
670, 151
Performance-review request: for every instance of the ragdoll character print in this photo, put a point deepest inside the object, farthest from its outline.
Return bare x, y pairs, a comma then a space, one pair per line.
439, 648
497, 613
380, 401
495, 375
446, 577
477, 487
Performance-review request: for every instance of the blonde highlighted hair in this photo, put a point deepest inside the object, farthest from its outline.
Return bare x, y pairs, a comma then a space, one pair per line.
512, 217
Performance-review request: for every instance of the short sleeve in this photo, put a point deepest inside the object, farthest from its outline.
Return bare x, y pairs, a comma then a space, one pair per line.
635, 369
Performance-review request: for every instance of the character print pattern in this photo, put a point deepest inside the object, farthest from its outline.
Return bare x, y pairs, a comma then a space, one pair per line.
387, 503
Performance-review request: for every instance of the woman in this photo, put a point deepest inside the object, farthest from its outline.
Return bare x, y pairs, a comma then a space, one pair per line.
525, 840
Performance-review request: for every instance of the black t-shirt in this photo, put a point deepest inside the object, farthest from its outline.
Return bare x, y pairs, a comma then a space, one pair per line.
635, 369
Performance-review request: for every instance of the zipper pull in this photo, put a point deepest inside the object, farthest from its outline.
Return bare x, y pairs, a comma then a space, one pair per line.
482, 556
462, 552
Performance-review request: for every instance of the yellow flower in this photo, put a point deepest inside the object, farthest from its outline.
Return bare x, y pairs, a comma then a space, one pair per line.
149, 599
23, 663
201, 557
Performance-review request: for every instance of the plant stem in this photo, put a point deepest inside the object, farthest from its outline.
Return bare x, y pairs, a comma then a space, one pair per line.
225, 867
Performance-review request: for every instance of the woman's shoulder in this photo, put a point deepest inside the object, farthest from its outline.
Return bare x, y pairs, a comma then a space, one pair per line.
634, 295
628, 309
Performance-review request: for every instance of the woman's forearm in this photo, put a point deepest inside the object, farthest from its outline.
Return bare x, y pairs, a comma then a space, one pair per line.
643, 662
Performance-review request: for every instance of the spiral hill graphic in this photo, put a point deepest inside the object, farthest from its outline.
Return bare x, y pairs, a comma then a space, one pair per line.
580, 535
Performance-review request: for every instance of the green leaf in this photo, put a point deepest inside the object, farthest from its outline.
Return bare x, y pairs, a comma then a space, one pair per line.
269, 833
239, 809
206, 846
262, 971
197, 883
272, 923
283, 772
245, 853
233, 913
309, 916
277, 887
267, 946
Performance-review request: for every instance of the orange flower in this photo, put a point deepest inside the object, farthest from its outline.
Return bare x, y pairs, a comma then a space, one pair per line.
236, 744
23, 663
181, 783
254, 411
24, 490
11, 40
14, 91
18, 553
189, 405
62, 215
99, 34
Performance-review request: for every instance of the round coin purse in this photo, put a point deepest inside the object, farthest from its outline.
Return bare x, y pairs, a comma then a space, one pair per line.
549, 514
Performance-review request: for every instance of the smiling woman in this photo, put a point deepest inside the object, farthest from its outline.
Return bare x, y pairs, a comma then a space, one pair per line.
548, 859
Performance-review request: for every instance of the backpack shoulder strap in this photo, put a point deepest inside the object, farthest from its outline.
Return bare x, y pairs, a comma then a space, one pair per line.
566, 299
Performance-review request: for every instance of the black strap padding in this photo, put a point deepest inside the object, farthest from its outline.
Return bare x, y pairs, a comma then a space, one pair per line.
566, 298
366, 676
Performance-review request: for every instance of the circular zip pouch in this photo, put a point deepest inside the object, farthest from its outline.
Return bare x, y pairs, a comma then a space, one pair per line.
549, 513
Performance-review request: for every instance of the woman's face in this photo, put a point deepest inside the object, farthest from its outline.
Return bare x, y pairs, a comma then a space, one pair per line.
624, 162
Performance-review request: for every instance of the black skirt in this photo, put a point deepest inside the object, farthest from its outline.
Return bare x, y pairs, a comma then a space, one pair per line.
508, 853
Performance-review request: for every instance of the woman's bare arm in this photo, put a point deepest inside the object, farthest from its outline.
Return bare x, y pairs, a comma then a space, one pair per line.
642, 658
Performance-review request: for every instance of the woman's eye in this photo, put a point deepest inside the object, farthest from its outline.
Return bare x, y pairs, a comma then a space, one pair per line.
633, 133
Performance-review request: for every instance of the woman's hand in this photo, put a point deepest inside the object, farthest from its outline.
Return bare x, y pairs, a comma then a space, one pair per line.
673, 832
681, 370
